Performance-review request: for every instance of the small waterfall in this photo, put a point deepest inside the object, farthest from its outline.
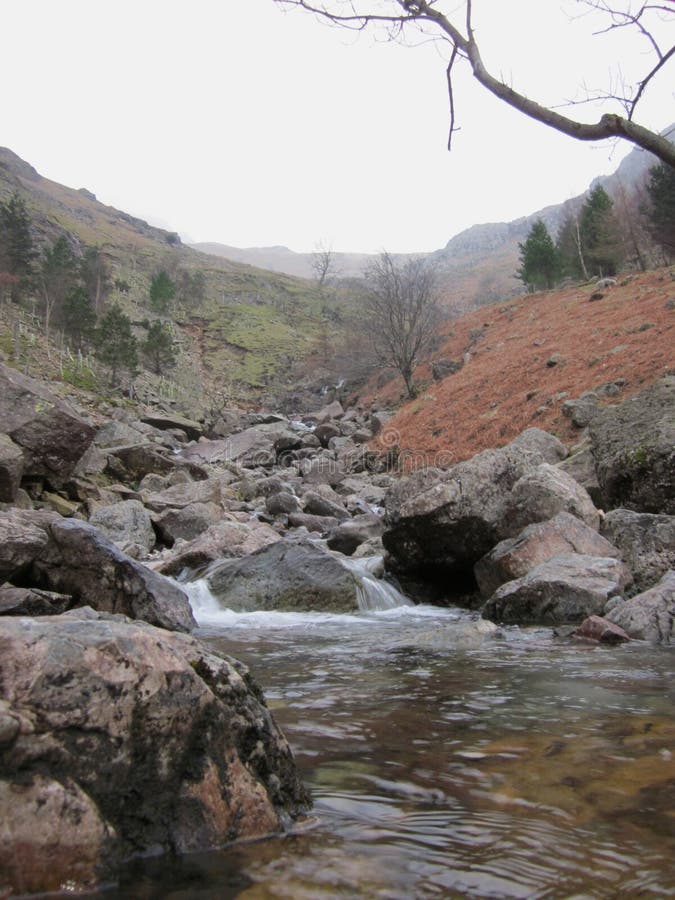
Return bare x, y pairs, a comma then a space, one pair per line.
373, 592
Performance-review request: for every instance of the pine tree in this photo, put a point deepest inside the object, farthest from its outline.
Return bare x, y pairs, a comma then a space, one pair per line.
59, 275
78, 317
661, 209
539, 259
162, 292
17, 251
599, 234
116, 345
158, 348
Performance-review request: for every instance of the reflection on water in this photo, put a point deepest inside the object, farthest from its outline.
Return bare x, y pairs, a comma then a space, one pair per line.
450, 760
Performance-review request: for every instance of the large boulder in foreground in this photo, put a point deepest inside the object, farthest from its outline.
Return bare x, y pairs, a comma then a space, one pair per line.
80, 561
633, 445
565, 589
515, 557
51, 435
119, 739
441, 523
541, 494
649, 616
288, 575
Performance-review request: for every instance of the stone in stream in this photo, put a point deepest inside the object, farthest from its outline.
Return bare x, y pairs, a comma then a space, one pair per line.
119, 739
596, 628
565, 589
649, 616
288, 575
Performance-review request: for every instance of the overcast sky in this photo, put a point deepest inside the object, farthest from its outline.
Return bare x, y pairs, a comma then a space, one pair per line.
231, 121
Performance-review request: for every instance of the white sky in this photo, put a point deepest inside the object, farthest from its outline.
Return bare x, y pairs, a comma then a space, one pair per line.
230, 121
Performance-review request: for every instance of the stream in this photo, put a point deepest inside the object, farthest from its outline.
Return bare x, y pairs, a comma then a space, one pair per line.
447, 759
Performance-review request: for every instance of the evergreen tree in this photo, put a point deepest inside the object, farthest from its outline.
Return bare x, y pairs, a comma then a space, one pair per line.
17, 251
59, 275
95, 273
158, 348
116, 345
539, 259
78, 317
599, 234
567, 246
162, 292
661, 208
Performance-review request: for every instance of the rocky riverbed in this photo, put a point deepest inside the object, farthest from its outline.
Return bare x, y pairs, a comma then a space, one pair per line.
131, 736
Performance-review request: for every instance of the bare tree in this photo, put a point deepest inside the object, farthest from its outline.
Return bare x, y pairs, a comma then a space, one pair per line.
455, 28
402, 312
323, 263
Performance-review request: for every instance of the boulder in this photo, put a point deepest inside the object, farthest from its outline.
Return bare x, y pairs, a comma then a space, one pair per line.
439, 523
349, 535
281, 503
595, 628
581, 466
583, 410
15, 601
23, 537
565, 589
541, 494
11, 469
139, 460
171, 421
319, 505
318, 524
325, 432
119, 740
515, 557
213, 490
333, 410
126, 522
649, 616
224, 540
289, 575
322, 470
188, 522
633, 445
646, 542
79, 560
51, 435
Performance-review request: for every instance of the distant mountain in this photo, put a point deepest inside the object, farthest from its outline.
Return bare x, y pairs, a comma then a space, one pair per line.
477, 265
282, 259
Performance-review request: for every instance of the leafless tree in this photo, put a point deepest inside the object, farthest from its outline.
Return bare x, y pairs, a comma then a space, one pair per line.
455, 28
402, 312
323, 263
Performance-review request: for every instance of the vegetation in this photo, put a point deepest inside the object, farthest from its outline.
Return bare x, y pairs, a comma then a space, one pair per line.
539, 259
162, 292
402, 313
158, 348
17, 251
661, 207
116, 345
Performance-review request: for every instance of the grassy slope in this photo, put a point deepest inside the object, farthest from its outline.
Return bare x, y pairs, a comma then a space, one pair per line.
507, 386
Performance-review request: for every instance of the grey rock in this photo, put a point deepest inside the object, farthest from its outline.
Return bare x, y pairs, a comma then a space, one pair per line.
541, 494
318, 505
224, 540
127, 522
349, 535
11, 469
646, 542
515, 557
188, 522
565, 589
19, 601
23, 537
649, 616
282, 503
289, 575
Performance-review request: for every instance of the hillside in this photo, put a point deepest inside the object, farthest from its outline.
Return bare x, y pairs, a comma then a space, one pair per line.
249, 328
524, 358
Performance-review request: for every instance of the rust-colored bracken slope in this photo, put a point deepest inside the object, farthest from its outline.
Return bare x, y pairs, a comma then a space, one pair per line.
526, 357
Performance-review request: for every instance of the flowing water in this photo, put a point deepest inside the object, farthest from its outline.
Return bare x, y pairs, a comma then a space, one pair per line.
449, 759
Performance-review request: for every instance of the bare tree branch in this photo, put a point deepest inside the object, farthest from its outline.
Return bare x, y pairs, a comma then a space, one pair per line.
424, 13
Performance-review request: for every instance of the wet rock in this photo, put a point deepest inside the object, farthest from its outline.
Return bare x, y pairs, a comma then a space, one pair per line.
649, 616
567, 588
131, 740
634, 450
595, 628
515, 557
646, 542
52, 437
541, 494
79, 560
442, 522
289, 575
126, 522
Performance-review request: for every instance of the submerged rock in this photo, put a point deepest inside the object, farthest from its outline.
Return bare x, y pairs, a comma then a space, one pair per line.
120, 739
